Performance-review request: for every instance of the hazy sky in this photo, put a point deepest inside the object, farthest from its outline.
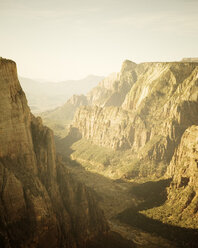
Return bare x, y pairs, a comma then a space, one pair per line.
69, 39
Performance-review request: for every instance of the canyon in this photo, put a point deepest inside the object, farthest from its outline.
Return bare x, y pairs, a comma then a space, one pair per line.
138, 129
121, 170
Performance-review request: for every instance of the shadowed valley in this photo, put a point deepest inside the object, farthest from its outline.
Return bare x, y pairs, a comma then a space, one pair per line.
135, 142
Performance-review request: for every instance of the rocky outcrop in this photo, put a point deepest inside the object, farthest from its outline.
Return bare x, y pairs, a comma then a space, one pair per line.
113, 89
160, 101
110, 92
181, 205
183, 191
41, 205
104, 126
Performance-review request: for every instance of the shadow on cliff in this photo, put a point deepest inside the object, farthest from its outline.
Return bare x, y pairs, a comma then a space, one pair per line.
150, 195
63, 145
182, 237
103, 185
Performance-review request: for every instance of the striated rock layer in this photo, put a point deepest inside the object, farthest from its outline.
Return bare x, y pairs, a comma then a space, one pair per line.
181, 206
41, 205
156, 103
183, 192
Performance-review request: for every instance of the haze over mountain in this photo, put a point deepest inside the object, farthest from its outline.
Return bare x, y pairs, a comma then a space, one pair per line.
132, 140
43, 96
103, 162
61, 39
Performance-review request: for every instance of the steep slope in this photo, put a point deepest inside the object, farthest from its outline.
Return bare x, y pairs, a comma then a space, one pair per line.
183, 192
181, 206
161, 103
58, 119
112, 90
109, 92
41, 205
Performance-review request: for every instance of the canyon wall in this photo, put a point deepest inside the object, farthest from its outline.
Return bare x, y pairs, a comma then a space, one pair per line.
41, 205
181, 205
156, 103
183, 191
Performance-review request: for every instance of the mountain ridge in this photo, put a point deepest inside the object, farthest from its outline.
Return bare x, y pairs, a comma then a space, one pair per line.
43, 96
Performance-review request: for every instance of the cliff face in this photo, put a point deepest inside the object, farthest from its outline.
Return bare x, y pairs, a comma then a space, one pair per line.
181, 206
14, 139
112, 90
108, 126
183, 192
40, 203
159, 102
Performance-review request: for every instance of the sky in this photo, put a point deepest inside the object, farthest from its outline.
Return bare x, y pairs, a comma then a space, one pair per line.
58, 40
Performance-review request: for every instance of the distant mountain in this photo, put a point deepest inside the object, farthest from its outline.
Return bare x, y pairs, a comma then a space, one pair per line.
62, 116
43, 96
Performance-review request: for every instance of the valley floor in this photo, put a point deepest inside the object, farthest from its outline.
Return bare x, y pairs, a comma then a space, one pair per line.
115, 197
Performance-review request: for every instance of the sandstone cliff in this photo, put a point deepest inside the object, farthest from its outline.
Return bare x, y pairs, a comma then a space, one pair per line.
41, 205
183, 192
156, 103
181, 206
110, 92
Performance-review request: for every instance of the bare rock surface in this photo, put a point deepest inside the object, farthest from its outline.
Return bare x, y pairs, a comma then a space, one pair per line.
160, 101
41, 204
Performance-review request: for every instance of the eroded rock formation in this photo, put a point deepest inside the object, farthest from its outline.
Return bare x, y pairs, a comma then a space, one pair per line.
156, 103
41, 205
183, 192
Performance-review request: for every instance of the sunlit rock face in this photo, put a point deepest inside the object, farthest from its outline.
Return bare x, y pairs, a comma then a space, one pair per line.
155, 104
113, 89
181, 206
15, 117
40, 204
183, 192
110, 92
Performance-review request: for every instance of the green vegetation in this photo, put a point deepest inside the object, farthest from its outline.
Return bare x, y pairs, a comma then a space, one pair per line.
103, 160
153, 215
116, 164
177, 212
